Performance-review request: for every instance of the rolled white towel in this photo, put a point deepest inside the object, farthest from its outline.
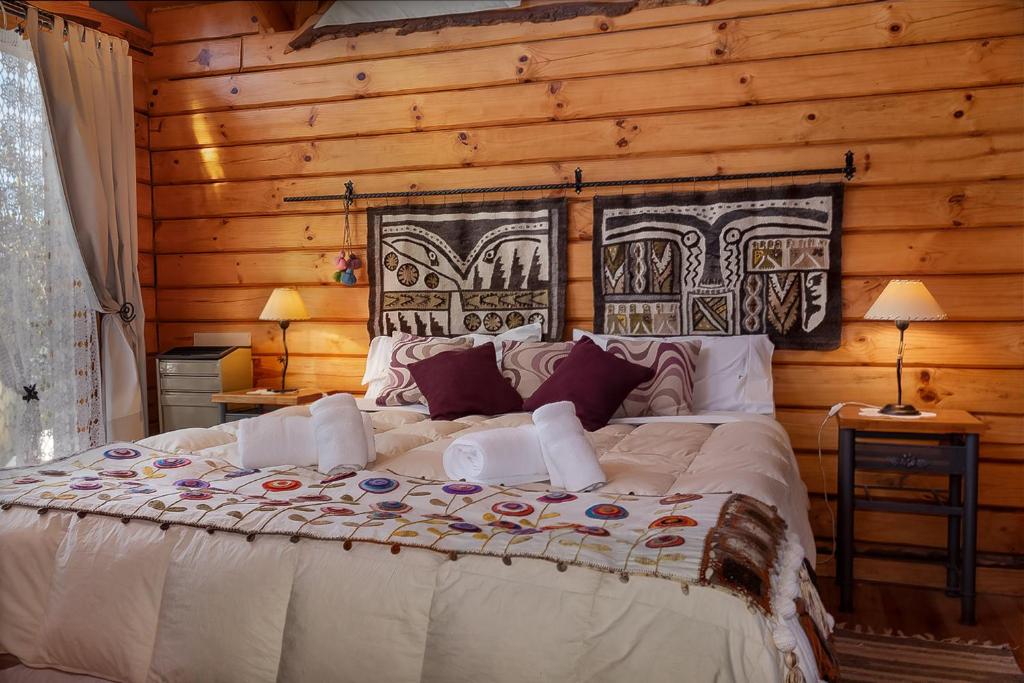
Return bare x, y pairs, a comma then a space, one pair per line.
510, 455
270, 440
371, 441
340, 434
570, 459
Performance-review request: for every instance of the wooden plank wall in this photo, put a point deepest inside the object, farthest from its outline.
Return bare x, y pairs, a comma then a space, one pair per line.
144, 193
928, 94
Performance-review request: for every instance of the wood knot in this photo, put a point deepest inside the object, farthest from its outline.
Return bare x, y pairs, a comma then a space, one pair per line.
234, 91
254, 19
361, 76
307, 157
895, 28
958, 114
519, 69
968, 97
744, 80
622, 142
925, 376
719, 51
463, 136
724, 25
554, 87
155, 91
812, 117
603, 26
524, 58
956, 198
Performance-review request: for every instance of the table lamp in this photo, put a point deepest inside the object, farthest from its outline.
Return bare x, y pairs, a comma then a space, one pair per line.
284, 305
903, 301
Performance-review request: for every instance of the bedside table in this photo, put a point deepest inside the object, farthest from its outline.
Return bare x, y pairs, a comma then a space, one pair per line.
262, 402
946, 444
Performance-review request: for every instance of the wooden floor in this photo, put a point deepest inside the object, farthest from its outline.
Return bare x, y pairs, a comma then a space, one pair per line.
923, 610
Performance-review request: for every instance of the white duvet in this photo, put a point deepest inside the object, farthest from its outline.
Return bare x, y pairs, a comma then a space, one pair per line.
136, 603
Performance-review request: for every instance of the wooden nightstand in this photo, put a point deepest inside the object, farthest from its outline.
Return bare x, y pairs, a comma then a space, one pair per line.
946, 444
263, 402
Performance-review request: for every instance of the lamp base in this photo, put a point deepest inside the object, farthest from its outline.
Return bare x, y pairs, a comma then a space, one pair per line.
899, 409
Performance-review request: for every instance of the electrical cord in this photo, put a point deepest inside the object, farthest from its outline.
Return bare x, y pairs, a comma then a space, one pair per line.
832, 412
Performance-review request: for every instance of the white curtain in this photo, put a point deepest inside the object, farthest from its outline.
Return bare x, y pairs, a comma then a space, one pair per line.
86, 80
50, 400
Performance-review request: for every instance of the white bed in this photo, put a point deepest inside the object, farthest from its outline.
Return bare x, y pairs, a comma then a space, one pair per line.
138, 602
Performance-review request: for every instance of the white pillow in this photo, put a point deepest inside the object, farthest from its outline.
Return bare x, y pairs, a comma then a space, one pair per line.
733, 373
378, 360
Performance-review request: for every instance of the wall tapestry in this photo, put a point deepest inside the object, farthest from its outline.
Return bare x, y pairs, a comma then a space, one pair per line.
743, 261
485, 267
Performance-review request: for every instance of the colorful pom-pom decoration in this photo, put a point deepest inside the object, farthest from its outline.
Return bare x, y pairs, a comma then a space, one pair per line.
341, 263
348, 277
354, 262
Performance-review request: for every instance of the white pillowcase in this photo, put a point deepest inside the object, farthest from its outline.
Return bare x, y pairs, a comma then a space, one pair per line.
378, 360
733, 373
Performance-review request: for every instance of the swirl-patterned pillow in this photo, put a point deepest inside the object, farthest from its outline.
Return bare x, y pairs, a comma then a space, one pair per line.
527, 365
400, 388
670, 391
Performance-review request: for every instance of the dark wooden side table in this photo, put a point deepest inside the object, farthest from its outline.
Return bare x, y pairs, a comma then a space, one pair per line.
946, 444
262, 402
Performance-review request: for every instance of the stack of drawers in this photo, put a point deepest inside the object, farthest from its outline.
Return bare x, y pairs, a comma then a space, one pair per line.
188, 376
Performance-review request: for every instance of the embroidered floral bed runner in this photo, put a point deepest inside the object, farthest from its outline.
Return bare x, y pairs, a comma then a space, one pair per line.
724, 540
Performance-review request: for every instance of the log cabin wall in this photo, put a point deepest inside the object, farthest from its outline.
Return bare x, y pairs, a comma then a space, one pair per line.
144, 194
928, 93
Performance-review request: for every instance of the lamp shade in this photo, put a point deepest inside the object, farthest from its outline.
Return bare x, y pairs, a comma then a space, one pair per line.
905, 300
284, 304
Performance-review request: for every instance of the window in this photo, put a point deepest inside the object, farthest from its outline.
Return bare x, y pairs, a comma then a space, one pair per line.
50, 401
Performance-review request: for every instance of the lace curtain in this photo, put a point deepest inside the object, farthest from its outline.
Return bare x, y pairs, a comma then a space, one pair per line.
48, 333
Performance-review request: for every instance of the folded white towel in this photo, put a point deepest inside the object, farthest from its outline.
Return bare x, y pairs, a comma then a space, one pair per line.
340, 433
510, 455
570, 459
371, 442
270, 440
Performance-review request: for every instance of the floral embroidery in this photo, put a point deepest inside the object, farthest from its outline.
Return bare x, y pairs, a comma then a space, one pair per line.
275, 485
664, 541
607, 511
461, 489
512, 509
121, 454
171, 463
556, 497
672, 520
378, 485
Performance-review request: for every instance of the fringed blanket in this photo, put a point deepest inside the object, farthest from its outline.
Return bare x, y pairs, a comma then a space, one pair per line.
725, 540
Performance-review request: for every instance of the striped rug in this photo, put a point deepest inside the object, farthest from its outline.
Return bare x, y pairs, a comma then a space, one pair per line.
866, 657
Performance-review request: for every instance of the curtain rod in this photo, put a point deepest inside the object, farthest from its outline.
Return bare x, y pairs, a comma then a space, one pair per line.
19, 9
848, 170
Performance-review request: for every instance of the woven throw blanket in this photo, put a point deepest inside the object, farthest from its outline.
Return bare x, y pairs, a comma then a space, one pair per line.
744, 261
453, 269
724, 540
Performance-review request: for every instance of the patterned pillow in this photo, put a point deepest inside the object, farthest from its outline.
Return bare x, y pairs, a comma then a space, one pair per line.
400, 388
528, 364
670, 391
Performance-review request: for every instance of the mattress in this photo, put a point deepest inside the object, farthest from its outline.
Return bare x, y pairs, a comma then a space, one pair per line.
145, 602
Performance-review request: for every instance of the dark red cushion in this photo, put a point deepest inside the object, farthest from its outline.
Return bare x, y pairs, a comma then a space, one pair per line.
460, 383
594, 380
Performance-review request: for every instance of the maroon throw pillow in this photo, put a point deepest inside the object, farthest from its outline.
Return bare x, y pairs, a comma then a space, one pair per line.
460, 383
594, 380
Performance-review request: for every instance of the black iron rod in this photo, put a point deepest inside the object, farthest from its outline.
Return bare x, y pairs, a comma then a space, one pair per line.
848, 171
